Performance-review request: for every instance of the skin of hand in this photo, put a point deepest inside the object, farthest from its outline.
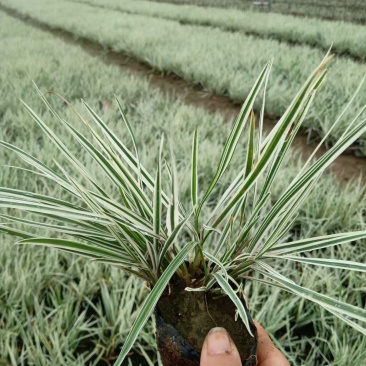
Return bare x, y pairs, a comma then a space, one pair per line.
219, 350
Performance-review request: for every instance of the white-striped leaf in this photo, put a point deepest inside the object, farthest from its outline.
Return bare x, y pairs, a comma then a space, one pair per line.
217, 262
74, 246
323, 300
194, 173
234, 136
225, 285
305, 245
333, 263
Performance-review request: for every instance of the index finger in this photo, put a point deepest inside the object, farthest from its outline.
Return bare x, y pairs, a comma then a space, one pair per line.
268, 354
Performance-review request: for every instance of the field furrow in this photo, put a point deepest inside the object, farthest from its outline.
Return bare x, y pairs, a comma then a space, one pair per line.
222, 62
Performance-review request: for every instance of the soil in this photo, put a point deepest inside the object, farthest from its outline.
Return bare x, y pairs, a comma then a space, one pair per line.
347, 167
184, 319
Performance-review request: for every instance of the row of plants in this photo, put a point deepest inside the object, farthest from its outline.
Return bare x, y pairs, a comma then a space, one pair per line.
340, 3
222, 62
346, 12
350, 11
151, 113
346, 38
237, 3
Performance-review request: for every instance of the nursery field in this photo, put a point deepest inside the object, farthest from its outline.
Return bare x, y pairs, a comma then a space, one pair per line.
350, 11
221, 61
57, 309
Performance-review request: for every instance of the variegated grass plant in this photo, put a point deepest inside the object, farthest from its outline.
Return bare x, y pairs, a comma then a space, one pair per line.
147, 232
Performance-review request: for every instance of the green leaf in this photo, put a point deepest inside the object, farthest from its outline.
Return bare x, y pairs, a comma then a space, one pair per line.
70, 230
172, 238
320, 242
333, 263
45, 170
125, 153
302, 185
194, 174
157, 207
322, 300
174, 206
74, 246
129, 128
4, 228
225, 285
273, 142
112, 166
56, 211
215, 260
233, 138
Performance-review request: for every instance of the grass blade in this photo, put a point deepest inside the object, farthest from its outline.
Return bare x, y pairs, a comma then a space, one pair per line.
323, 300
171, 239
194, 174
224, 284
332, 263
130, 131
233, 138
320, 242
70, 245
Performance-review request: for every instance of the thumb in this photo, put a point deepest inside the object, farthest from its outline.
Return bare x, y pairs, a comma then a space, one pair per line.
219, 349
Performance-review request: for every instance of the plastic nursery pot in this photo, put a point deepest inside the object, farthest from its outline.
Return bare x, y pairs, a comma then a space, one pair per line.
184, 318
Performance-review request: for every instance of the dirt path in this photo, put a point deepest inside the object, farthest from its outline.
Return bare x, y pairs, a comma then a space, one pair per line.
347, 167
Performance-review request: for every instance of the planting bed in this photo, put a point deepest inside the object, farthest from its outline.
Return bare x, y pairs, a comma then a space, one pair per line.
222, 62
57, 309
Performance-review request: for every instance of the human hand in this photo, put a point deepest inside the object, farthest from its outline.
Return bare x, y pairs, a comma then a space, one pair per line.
219, 350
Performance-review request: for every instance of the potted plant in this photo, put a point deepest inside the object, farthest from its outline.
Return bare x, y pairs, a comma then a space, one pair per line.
195, 268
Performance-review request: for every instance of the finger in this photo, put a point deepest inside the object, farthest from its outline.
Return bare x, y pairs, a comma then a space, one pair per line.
219, 349
268, 354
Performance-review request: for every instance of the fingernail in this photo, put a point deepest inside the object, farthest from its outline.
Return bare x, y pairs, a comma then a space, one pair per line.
218, 341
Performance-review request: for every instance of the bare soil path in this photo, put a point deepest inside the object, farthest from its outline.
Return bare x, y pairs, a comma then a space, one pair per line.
347, 167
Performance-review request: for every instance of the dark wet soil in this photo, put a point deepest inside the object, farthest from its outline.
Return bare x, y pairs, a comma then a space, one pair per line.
193, 314
347, 167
